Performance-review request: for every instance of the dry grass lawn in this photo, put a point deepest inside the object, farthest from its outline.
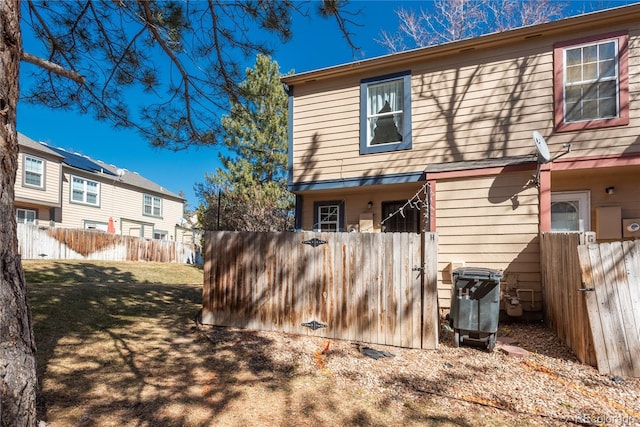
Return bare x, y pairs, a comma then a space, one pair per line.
117, 346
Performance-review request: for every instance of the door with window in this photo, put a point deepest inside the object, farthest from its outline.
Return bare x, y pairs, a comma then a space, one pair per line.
570, 211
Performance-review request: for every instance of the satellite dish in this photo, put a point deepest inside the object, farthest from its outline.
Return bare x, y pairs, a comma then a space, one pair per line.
120, 173
541, 145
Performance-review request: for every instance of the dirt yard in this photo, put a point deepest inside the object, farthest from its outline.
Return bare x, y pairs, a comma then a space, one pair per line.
115, 353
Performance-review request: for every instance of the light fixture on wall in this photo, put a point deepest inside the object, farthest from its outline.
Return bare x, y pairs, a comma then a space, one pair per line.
370, 205
609, 190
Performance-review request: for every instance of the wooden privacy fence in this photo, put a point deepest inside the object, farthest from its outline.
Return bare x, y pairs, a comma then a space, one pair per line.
611, 276
36, 242
592, 299
378, 288
564, 307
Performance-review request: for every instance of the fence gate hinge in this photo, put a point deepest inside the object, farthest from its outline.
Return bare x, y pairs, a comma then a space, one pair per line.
417, 269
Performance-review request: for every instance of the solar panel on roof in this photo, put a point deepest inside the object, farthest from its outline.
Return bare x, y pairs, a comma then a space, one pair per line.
81, 162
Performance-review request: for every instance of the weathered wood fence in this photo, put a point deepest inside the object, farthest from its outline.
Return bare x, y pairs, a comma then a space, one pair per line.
36, 242
564, 306
377, 288
592, 299
611, 276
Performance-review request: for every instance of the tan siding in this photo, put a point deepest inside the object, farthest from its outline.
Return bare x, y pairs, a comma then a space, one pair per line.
464, 107
625, 181
120, 203
493, 232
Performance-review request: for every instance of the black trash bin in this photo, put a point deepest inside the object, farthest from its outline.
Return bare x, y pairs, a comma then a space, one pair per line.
475, 306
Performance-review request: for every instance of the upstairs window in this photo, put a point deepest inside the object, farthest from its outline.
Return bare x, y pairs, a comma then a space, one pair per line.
33, 172
85, 191
328, 216
152, 205
385, 113
591, 87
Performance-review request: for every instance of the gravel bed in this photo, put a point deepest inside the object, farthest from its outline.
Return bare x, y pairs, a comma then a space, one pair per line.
549, 384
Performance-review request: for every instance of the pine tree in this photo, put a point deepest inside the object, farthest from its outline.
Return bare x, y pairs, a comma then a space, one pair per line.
250, 192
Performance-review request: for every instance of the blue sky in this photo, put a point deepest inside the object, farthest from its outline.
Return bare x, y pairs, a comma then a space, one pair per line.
316, 44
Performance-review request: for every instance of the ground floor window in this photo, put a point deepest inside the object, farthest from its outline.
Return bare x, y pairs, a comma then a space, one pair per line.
25, 216
570, 211
398, 218
160, 235
328, 216
94, 225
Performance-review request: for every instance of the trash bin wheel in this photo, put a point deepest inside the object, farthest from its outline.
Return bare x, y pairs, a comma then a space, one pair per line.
456, 338
491, 342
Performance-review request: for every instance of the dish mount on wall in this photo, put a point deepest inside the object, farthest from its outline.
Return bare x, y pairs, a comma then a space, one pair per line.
544, 155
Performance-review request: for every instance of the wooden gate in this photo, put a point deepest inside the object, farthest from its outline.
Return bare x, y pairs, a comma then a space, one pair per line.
376, 288
611, 279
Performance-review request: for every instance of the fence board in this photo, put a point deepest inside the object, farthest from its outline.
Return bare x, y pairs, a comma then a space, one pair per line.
362, 286
564, 304
610, 269
36, 242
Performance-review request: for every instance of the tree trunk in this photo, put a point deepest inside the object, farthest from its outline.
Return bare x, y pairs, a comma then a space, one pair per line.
18, 381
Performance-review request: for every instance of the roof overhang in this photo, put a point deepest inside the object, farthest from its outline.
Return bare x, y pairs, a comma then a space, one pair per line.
567, 26
480, 164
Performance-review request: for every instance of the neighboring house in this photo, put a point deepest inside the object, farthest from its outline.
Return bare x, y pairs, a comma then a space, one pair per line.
56, 188
366, 137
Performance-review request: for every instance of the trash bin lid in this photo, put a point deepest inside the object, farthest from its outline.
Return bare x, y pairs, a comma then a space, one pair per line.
480, 273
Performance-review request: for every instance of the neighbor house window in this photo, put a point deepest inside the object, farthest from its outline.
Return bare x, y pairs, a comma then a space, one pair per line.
160, 235
33, 172
328, 216
385, 113
397, 217
570, 211
152, 205
591, 87
94, 225
85, 191
25, 216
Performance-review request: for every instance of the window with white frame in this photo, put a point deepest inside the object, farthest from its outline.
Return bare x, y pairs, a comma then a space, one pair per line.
25, 216
591, 82
152, 205
95, 225
85, 191
570, 211
160, 235
385, 109
328, 216
33, 172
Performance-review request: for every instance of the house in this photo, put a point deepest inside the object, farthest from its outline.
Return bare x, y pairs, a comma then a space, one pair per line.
442, 139
57, 188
